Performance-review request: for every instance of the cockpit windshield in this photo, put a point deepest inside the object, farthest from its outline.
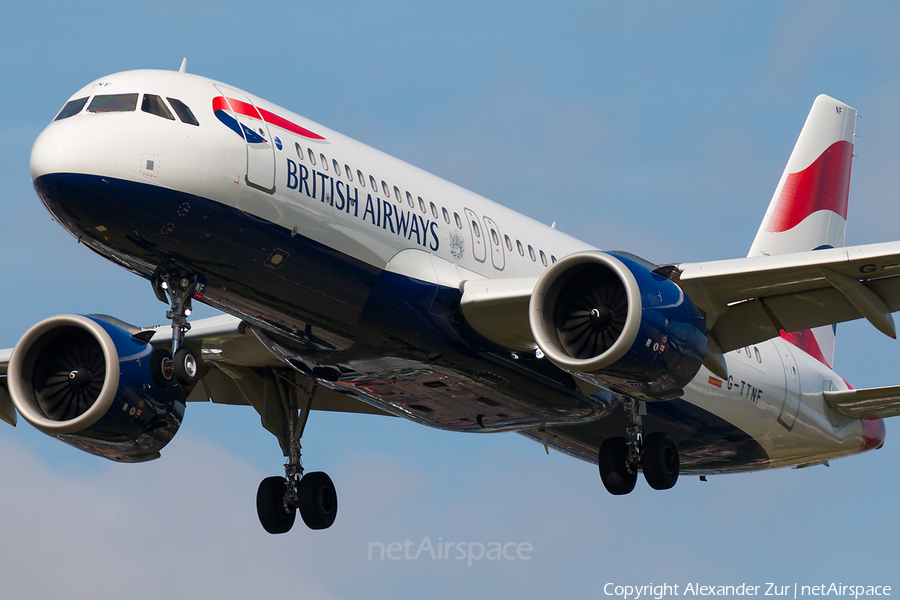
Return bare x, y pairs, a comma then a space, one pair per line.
150, 103
72, 107
113, 103
155, 106
184, 113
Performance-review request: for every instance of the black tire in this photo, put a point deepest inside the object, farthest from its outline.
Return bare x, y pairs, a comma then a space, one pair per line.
659, 460
161, 369
186, 366
318, 500
273, 515
613, 467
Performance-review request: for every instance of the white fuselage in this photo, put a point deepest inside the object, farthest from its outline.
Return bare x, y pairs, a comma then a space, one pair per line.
385, 213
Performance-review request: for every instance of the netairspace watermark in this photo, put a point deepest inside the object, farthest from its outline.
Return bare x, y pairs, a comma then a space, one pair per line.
467, 551
794, 590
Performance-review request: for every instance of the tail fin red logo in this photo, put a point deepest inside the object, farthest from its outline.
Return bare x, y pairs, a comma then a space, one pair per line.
823, 185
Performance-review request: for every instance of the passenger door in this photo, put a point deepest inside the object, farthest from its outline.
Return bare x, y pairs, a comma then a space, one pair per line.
479, 251
792, 391
258, 140
495, 243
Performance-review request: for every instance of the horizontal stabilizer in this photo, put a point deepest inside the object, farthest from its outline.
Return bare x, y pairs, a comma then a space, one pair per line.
869, 403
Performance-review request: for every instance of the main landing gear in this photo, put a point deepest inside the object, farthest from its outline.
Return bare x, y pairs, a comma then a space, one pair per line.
279, 498
176, 288
655, 454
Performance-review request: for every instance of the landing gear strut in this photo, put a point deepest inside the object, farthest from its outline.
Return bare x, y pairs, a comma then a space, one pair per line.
279, 498
655, 454
176, 288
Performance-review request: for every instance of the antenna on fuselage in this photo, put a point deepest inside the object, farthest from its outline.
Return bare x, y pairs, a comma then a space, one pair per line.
183, 65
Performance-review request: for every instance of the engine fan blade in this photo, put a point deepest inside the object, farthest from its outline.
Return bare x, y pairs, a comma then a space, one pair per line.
591, 314
69, 375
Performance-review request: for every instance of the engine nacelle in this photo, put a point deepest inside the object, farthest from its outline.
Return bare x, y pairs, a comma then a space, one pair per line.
88, 383
611, 320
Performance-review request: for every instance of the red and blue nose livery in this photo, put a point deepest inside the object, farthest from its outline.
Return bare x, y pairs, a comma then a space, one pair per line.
223, 108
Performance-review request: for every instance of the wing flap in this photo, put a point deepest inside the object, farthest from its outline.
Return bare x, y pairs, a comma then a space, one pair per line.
868, 403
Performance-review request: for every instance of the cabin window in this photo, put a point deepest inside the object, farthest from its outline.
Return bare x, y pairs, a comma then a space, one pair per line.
397, 194
508, 242
155, 106
458, 220
475, 228
72, 107
349, 172
552, 259
384, 187
422, 204
361, 177
531, 253
312, 156
299, 150
337, 167
543, 258
520, 247
410, 200
374, 184
324, 162
434, 210
184, 113
446, 214
495, 237
113, 103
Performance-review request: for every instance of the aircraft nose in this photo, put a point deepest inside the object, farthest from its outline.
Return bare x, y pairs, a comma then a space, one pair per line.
72, 146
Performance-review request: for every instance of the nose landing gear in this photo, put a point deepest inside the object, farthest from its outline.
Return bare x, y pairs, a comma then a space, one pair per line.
176, 288
655, 454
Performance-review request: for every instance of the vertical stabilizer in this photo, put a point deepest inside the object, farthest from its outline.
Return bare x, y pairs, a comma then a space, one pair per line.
809, 208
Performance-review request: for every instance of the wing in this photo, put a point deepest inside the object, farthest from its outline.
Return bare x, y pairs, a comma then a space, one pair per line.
239, 368
745, 301
750, 300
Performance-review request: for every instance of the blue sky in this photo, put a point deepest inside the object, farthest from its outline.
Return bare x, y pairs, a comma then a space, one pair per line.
660, 129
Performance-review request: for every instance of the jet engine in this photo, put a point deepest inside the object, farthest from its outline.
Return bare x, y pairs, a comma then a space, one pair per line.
611, 320
91, 384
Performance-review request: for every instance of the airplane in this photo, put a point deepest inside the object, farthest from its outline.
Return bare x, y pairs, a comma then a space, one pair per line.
352, 281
